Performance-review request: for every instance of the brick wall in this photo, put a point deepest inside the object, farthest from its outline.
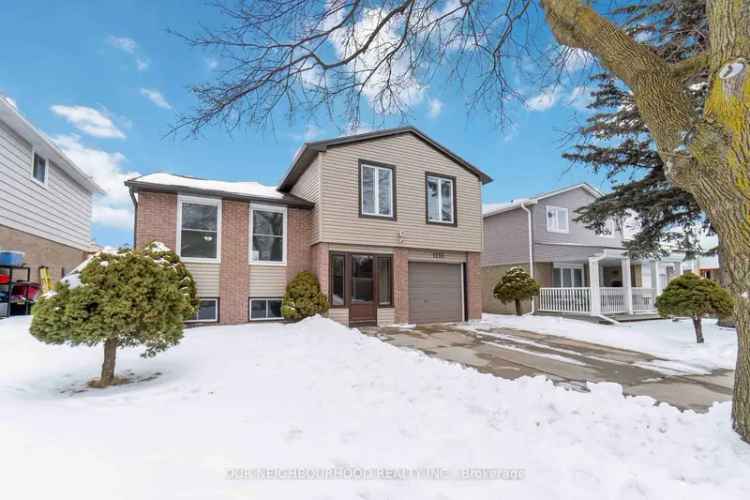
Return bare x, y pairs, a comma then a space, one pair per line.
299, 235
41, 252
474, 285
401, 284
156, 219
234, 276
319, 265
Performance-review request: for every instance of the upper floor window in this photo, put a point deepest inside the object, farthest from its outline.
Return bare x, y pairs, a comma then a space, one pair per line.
441, 199
267, 234
376, 190
557, 220
199, 224
39, 169
608, 231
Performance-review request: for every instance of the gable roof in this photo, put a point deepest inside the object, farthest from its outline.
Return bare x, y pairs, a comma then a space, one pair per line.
44, 146
245, 191
491, 209
309, 151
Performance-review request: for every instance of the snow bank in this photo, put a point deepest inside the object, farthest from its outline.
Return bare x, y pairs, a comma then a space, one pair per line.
672, 340
319, 395
244, 188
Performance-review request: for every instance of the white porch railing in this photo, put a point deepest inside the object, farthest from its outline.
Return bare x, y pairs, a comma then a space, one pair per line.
567, 300
644, 300
613, 300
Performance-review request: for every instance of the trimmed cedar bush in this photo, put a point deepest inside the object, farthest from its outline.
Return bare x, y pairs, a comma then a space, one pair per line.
122, 299
303, 298
695, 297
516, 286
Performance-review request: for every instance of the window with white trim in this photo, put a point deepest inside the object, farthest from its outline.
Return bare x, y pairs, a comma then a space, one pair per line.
268, 234
557, 220
376, 191
440, 197
206, 312
199, 229
608, 231
567, 275
39, 169
265, 309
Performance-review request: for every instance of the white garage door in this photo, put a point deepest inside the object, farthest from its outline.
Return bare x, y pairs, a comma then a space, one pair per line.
435, 292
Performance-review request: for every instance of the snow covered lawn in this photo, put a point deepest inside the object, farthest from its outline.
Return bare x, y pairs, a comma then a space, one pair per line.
672, 340
318, 395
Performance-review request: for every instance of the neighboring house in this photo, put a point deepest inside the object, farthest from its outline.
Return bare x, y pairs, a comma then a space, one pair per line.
389, 221
581, 272
45, 199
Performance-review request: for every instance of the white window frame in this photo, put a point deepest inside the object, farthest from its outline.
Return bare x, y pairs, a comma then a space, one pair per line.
440, 180
34, 154
216, 202
611, 227
215, 300
376, 191
554, 227
266, 299
572, 267
267, 208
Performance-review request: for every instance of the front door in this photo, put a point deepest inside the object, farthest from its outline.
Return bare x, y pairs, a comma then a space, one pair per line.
363, 307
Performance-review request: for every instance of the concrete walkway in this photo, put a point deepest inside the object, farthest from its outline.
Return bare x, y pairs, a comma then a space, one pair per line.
513, 353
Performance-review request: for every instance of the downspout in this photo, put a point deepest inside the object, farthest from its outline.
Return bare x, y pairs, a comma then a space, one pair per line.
531, 249
135, 215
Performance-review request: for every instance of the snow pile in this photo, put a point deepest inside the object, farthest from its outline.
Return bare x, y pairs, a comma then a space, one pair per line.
672, 340
243, 188
229, 400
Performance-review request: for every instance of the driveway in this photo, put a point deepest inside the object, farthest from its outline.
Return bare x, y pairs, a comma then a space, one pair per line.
512, 353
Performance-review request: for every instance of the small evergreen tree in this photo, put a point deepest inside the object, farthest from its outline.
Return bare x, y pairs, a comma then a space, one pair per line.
303, 297
121, 299
516, 285
696, 297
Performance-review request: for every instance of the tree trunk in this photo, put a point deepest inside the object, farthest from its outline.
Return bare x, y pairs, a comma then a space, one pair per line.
108, 366
698, 326
519, 312
728, 320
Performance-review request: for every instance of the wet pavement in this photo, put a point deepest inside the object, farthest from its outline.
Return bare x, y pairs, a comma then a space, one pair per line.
512, 353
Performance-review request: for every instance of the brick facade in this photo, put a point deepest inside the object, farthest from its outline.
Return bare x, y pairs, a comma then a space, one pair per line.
234, 276
401, 284
41, 252
319, 261
299, 234
156, 219
474, 285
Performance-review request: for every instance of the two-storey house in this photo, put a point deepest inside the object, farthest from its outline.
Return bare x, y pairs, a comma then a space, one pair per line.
581, 272
389, 221
45, 199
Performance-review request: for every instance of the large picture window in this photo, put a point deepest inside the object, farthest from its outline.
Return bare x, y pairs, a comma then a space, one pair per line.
268, 235
376, 191
199, 232
441, 199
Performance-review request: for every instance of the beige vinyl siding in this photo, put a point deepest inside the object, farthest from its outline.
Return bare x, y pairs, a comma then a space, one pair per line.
339, 315
308, 187
59, 211
267, 281
386, 316
360, 249
412, 158
439, 256
206, 276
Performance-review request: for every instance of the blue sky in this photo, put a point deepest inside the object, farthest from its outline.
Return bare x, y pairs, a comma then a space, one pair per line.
105, 80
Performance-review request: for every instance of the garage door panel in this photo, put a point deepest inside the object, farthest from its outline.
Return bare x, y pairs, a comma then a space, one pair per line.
435, 292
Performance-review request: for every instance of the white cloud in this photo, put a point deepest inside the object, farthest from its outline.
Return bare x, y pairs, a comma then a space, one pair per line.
544, 100
129, 46
156, 97
435, 108
89, 120
114, 208
353, 128
576, 59
580, 97
212, 63
311, 133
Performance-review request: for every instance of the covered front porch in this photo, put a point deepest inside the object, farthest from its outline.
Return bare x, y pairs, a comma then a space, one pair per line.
607, 284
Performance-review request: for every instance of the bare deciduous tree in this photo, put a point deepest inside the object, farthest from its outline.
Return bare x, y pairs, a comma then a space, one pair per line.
302, 55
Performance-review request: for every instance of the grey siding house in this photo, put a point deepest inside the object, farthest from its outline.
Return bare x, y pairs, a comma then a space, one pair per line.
581, 272
45, 199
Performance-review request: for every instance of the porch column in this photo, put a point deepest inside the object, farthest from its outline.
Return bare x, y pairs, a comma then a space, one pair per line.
655, 276
596, 301
627, 284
